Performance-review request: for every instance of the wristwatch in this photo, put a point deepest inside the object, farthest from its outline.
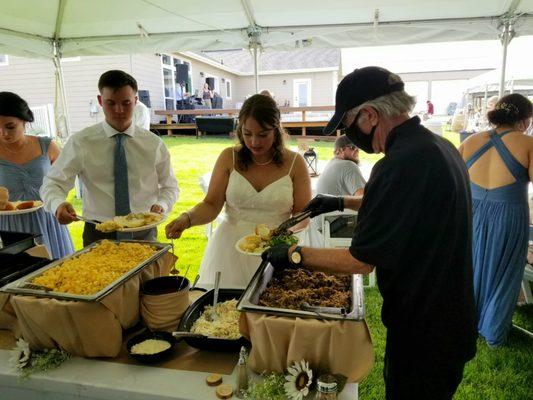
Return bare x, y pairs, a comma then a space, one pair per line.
296, 257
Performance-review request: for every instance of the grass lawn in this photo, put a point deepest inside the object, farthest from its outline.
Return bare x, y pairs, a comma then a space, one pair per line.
492, 375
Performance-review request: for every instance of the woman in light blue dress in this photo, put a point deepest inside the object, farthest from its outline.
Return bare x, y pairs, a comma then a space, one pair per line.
499, 163
24, 161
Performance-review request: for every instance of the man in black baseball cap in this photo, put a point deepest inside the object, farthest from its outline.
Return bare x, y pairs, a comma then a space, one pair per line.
414, 228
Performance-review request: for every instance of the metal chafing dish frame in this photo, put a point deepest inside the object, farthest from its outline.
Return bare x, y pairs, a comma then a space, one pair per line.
23, 285
250, 298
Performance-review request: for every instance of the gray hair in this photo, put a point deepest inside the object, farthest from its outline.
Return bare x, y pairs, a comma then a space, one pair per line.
388, 106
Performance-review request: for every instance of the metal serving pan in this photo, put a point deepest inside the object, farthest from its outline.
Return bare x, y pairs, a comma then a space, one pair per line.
250, 300
194, 312
24, 286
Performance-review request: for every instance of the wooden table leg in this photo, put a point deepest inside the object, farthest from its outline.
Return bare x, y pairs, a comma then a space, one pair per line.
169, 122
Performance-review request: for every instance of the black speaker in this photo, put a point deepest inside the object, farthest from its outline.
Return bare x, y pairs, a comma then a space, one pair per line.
211, 82
144, 97
182, 73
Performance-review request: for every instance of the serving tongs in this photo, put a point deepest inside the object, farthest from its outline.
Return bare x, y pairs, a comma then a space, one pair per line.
321, 311
88, 220
296, 219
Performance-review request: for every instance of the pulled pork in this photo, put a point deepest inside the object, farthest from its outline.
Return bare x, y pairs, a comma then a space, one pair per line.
292, 287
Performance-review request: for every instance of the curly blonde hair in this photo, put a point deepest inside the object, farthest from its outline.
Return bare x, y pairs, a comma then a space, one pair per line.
266, 112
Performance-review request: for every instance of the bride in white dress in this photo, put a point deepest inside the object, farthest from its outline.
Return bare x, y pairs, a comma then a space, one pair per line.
258, 181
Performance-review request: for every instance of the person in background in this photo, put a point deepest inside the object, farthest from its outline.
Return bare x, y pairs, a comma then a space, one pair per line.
24, 161
500, 164
123, 168
342, 176
430, 108
266, 92
259, 181
207, 95
141, 115
414, 228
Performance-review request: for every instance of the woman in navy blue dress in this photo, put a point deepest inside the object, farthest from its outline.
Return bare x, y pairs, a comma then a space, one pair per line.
500, 164
24, 161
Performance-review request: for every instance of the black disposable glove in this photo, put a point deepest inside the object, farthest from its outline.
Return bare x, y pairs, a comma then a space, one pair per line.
278, 256
324, 203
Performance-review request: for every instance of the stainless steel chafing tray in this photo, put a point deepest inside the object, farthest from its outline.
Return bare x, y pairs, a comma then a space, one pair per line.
250, 300
23, 286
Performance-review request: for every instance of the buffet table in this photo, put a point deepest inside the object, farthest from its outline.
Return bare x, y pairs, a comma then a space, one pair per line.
80, 378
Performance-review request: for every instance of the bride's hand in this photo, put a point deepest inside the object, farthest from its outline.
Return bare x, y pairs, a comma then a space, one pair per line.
176, 227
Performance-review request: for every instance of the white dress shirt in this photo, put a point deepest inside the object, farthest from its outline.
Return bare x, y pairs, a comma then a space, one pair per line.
90, 154
141, 115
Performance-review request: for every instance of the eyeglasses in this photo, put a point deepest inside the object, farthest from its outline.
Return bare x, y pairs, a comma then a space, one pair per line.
352, 147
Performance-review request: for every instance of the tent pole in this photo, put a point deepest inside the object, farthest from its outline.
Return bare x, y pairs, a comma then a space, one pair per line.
505, 37
505, 42
256, 68
60, 86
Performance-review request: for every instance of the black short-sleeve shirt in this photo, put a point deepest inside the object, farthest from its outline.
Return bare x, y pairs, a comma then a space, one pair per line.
414, 226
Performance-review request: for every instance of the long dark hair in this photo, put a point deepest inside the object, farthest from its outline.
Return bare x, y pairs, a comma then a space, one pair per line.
510, 110
12, 105
266, 112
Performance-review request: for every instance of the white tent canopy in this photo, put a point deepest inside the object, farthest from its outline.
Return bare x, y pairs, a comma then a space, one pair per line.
98, 27
68, 28
519, 76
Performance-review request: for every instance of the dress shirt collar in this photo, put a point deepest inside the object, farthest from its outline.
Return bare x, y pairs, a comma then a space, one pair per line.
110, 131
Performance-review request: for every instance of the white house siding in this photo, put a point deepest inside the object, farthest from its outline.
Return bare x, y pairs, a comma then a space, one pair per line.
31, 79
146, 68
323, 86
81, 83
34, 80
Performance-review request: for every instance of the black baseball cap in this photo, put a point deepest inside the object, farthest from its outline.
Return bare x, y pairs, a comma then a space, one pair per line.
360, 86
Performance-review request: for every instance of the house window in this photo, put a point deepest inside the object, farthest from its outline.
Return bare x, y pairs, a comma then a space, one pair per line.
4, 60
166, 59
228, 89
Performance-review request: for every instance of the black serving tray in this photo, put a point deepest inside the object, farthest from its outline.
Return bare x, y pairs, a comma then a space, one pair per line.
16, 242
193, 313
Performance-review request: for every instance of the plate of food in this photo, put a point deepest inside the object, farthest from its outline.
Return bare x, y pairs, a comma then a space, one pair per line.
21, 207
132, 222
262, 238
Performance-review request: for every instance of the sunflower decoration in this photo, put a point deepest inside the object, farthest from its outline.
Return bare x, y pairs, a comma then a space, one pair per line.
21, 354
298, 380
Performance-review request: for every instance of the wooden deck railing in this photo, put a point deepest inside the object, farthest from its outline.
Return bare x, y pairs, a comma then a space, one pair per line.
302, 123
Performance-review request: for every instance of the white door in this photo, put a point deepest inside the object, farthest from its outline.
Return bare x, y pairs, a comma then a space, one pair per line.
302, 93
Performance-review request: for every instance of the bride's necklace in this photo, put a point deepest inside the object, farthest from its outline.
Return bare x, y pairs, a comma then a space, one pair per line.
15, 151
262, 163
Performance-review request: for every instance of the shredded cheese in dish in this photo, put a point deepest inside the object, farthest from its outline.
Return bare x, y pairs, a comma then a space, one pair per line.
150, 346
225, 324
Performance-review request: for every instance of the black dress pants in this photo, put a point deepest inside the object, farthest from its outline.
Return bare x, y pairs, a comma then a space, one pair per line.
408, 378
91, 235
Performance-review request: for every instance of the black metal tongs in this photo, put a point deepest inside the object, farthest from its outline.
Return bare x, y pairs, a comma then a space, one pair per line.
296, 219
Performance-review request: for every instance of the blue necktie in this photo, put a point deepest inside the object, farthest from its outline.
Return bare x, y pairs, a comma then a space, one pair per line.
122, 196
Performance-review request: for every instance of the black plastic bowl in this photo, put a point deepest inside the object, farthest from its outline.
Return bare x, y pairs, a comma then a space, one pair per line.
164, 285
151, 358
194, 312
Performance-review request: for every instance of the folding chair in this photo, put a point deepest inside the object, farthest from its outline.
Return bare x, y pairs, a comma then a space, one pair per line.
337, 228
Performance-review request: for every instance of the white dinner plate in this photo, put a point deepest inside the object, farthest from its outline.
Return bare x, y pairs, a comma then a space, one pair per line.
257, 253
25, 211
144, 227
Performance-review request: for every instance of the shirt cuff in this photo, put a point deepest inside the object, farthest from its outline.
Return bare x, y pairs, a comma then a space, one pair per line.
54, 204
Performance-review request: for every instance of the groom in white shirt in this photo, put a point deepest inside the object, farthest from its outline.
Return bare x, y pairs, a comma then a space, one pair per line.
123, 168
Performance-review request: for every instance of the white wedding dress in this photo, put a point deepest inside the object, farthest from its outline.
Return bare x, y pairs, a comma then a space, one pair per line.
245, 208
